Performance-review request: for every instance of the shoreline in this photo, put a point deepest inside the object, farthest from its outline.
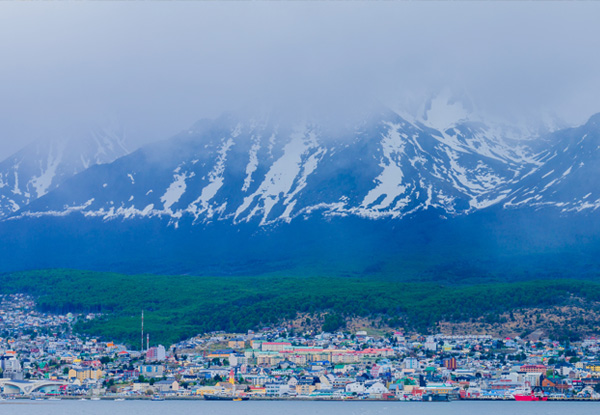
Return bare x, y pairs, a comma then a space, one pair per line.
279, 399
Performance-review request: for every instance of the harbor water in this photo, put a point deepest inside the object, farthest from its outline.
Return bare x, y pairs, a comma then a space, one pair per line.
67, 407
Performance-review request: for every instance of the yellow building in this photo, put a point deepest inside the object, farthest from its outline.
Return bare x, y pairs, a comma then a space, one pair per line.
275, 346
593, 367
440, 389
298, 359
258, 390
344, 357
209, 390
236, 343
219, 354
85, 373
305, 389
268, 358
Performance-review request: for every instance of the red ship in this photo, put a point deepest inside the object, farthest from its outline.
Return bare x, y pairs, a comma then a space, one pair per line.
530, 397
535, 394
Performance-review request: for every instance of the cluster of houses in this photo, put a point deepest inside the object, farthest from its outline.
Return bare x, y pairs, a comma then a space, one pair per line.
39, 355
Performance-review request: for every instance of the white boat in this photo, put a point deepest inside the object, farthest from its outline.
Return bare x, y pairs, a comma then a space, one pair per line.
119, 400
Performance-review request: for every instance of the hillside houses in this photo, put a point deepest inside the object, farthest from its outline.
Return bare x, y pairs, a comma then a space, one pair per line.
37, 348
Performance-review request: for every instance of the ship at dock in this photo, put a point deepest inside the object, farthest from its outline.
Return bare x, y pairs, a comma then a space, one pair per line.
225, 397
209, 397
531, 395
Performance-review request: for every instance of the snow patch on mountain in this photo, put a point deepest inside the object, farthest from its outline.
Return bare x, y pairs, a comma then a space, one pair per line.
252, 163
390, 181
175, 190
300, 158
215, 181
43, 182
65, 212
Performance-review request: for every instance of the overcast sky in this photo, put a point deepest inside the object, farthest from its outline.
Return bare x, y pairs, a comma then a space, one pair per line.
157, 67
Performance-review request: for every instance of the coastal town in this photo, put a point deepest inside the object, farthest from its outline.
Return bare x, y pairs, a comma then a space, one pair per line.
42, 357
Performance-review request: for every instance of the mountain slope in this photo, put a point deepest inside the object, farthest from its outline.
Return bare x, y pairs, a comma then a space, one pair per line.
41, 167
383, 196
569, 172
383, 167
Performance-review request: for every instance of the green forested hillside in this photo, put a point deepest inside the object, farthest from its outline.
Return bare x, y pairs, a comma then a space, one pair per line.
177, 307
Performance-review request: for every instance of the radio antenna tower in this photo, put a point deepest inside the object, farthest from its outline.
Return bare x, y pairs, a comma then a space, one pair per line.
142, 342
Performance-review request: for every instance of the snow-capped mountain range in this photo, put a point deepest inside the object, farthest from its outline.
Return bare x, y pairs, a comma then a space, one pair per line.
208, 191
382, 167
42, 166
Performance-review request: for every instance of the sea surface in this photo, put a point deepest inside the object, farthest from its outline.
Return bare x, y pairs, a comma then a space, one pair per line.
22, 407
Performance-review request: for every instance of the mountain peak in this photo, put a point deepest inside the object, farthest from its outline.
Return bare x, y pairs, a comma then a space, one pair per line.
594, 121
446, 109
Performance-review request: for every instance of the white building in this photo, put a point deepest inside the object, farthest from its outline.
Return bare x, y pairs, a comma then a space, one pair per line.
430, 344
12, 369
276, 389
410, 363
377, 389
156, 354
355, 387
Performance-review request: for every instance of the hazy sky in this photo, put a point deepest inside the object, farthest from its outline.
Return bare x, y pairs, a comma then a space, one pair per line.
157, 67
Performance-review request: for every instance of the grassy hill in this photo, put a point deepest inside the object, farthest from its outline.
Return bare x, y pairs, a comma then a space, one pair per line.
177, 307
